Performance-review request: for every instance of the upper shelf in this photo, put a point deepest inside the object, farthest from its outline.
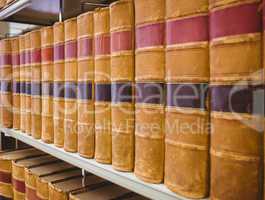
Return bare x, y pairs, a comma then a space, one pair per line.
46, 12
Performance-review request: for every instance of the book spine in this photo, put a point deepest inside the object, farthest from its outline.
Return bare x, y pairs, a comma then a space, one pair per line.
47, 133
58, 84
122, 84
70, 103
15, 82
236, 77
6, 83
6, 189
187, 77
150, 101
30, 185
35, 48
22, 83
102, 86
18, 181
85, 91
27, 77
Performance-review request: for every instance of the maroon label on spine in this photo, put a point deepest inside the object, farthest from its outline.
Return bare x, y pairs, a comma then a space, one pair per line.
103, 92
5, 59
187, 95
18, 185
121, 92
102, 45
150, 93
35, 56
31, 194
22, 57
242, 19
150, 35
70, 49
121, 41
85, 47
27, 57
47, 54
237, 99
5, 177
15, 59
194, 29
59, 52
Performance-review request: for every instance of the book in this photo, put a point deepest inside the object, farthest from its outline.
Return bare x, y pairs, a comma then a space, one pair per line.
70, 98
187, 77
150, 89
85, 85
27, 77
103, 143
47, 134
122, 83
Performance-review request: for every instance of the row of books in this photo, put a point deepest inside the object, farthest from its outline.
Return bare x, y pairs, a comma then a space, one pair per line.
165, 89
31, 174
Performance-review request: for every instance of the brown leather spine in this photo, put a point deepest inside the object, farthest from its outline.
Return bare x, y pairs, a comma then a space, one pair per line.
35, 45
102, 79
187, 65
22, 83
28, 83
58, 101
70, 103
149, 142
47, 134
15, 82
236, 135
85, 92
6, 112
122, 74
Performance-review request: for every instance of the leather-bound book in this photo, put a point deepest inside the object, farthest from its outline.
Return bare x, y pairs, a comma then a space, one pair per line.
61, 189
47, 84
150, 101
22, 83
58, 84
6, 112
70, 103
18, 172
6, 158
102, 86
42, 186
105, 191
33, 173
236, 132
85, 90
122, 80
15, 82
187, 75
27, 76
35, 48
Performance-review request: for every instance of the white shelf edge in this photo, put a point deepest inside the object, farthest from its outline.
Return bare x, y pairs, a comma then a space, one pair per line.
14, 8
127, 180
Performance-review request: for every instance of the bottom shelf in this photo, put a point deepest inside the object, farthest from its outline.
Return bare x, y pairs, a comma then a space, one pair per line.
126, 180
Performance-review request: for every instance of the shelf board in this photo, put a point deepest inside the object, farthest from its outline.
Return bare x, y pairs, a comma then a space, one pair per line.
124, 179
14, 8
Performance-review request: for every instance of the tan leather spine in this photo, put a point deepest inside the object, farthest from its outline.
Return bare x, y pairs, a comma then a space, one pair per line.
85, 101
70, 103
187, 65
22, 83
16, 82
47, 134
28, 83
102, 77
35, 45
236, 61
6, 112
122, 74
58, 102
149, 143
